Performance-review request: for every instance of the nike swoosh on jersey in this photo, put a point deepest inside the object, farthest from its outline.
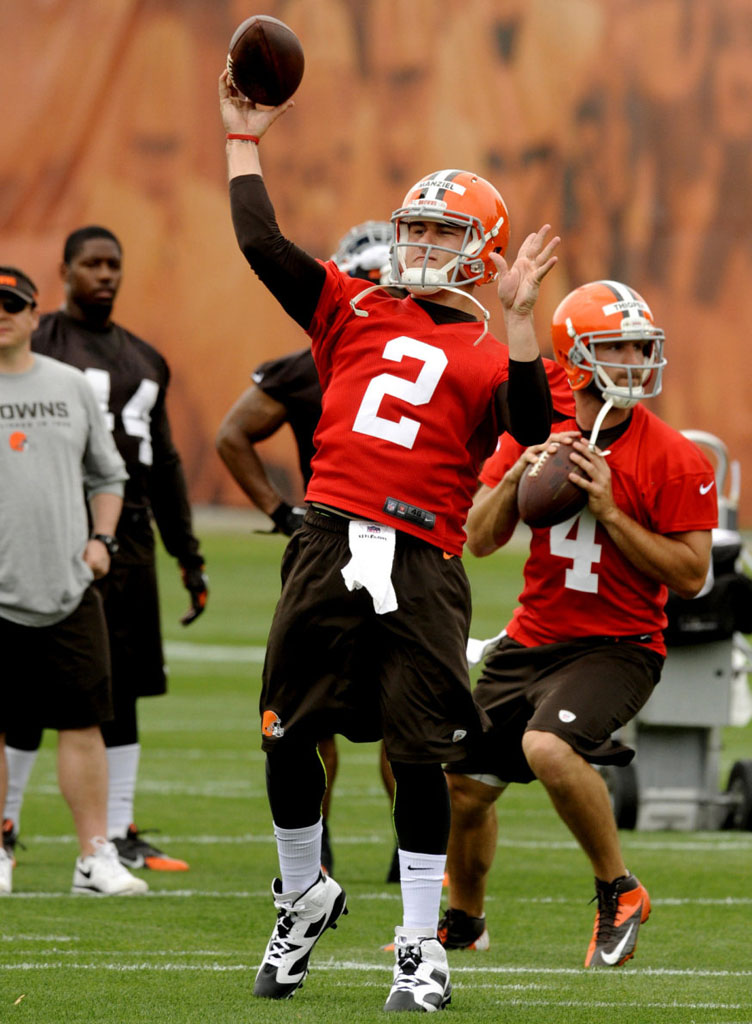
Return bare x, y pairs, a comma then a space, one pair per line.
615, 956
704, 488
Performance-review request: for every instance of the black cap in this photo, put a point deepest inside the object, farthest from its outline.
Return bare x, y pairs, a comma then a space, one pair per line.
15, 282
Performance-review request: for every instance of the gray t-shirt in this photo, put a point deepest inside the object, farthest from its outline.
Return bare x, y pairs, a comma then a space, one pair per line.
55, 450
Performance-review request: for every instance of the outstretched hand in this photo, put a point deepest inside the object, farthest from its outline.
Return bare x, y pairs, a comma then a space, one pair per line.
519, 284
241, 115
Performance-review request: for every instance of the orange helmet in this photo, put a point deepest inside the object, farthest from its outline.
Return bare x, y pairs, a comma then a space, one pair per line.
607, 311
461, 199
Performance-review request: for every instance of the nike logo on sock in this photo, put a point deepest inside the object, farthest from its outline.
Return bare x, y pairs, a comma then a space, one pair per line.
411, 868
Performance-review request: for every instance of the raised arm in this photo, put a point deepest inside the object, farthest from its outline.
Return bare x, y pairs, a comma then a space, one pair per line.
242, 117
293, 276
524, 405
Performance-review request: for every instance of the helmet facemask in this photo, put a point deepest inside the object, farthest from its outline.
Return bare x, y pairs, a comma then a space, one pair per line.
465, 266
365, 251
644, 380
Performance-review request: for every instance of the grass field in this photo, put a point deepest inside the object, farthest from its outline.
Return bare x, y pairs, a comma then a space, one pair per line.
188, 951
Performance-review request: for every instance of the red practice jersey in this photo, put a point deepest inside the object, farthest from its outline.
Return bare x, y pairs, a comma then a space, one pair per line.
577, 582
407, 411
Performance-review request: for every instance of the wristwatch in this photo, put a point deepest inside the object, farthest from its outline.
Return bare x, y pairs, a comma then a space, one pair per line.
109, 542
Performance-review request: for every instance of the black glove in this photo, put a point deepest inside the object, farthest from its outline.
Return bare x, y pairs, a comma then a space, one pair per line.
287, 519
196, 582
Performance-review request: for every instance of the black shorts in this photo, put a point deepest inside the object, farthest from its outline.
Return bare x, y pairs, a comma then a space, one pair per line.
334, 666
581, 691
131, 608
60, 677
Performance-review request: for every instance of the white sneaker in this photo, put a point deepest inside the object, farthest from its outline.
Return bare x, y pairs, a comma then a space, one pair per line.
301, 921
6, 872
102, 873
421, 975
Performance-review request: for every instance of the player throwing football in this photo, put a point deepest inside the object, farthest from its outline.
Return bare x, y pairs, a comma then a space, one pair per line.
368, 638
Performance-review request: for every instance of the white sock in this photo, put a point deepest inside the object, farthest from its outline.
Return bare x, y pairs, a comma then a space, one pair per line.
122, 765
421, 880
299, 851
20, 763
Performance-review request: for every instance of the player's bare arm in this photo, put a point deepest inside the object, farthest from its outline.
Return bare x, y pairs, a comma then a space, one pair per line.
494, 514
242, 117
680, 560
518, 289
254, 417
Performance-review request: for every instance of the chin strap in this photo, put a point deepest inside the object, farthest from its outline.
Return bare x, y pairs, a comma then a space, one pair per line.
607, 406
361, 295
447, 288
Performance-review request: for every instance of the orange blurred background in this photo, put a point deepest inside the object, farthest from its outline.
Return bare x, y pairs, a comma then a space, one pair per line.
626, 124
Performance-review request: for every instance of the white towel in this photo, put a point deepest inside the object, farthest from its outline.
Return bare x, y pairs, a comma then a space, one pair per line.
476, 650
372, 550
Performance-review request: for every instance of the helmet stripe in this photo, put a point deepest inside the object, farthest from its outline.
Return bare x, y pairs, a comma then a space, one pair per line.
625, 294
437, 190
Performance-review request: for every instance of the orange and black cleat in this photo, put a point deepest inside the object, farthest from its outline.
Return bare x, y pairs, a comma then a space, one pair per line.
623, 905
135, 852
458, 930
10, 840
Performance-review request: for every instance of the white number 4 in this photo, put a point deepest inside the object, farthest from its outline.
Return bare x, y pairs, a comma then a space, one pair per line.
135, 414
418, 392
581, 548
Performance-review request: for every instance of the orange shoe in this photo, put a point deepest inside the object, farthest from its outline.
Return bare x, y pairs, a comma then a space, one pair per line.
623, 905
134, 852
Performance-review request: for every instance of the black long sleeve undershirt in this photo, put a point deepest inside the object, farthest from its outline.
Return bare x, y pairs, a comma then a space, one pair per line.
523, 403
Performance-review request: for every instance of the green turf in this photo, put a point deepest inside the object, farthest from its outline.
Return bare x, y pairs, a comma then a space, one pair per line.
187, 952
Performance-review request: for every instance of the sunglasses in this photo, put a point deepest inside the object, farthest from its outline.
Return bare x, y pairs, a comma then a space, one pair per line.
13, 304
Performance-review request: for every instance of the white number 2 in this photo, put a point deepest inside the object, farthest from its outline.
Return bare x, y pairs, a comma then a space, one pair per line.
418, 392
581, 548
135, 414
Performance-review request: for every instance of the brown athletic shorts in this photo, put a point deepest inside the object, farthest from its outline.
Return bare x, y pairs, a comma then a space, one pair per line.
582, 691
61, 674
131, 608
334, 666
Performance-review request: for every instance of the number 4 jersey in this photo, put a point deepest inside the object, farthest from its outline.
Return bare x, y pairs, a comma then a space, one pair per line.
407, 411
129, 379
577, 582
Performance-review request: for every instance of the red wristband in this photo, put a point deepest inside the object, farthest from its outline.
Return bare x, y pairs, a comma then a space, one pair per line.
245, 138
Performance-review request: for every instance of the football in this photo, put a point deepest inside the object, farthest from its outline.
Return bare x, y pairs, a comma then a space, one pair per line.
265, 60
546, 495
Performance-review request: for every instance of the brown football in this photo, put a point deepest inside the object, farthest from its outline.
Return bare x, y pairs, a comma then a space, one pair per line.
546, 495
265, 60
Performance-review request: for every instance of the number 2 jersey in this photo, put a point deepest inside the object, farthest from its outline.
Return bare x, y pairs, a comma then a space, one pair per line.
407, 409
411, 404
577, 582
130, 379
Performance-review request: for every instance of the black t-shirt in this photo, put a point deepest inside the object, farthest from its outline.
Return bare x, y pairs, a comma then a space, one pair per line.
293, 381
130, 380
